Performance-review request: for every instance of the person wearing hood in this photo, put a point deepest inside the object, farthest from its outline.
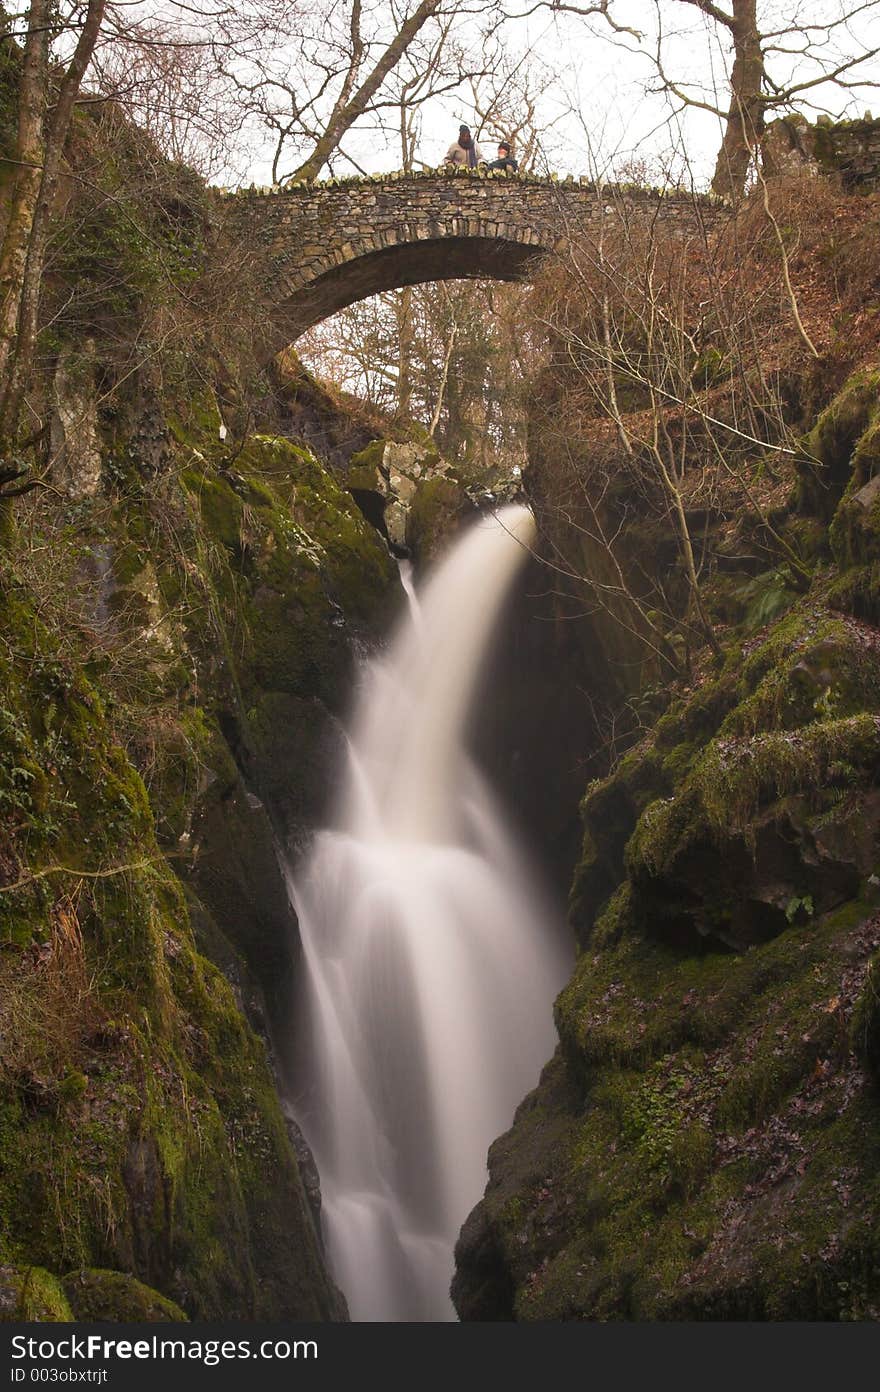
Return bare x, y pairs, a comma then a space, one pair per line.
505, 158
465, 150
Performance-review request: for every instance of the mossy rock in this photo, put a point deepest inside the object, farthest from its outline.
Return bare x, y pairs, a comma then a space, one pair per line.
610, 811
197, 420
236, 874
97, 1295
700, 785
842, 441
31, 1293
855, 530
439, 508
139, 1123
707, 1139
760, 826
747, 780
292, 577
857, 592
648, 1178
221, 508
293, 743
366, 471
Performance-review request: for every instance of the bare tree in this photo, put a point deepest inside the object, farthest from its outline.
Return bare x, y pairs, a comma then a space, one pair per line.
777, 58
662, 405
510, 103
172, 86
777, 63
175, 72
338, 72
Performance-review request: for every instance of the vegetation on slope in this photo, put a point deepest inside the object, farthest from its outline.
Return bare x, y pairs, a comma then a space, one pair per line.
141, 1129
179, 613
705, 1143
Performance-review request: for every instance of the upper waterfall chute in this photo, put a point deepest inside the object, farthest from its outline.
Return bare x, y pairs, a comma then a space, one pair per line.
411, 736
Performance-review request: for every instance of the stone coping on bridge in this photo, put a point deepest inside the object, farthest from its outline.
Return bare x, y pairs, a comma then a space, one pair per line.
583, 182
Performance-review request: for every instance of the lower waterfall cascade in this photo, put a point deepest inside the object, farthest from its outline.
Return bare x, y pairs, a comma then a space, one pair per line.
431, 959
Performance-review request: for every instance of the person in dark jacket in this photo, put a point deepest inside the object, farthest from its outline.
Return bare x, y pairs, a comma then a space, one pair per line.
465, 150
505, 159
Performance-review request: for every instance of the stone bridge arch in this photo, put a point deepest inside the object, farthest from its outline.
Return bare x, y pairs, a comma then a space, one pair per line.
322, 246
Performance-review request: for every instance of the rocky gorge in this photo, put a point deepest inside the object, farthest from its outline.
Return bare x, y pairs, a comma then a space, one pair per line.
182, 611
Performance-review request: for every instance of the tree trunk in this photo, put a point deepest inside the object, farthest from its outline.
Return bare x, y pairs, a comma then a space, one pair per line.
444, 380
745, 117
403, 312
56, 136
26, 186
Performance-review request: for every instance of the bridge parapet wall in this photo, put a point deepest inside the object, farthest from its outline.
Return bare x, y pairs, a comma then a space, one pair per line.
314, 226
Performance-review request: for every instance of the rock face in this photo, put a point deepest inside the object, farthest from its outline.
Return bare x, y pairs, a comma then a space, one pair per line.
148, 1169
705, 1143
107, 1295
75, 442
410, 493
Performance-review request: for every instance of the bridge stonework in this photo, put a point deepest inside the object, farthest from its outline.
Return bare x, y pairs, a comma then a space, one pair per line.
322, 246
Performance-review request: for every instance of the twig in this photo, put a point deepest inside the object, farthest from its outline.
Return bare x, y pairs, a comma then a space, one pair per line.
47, 870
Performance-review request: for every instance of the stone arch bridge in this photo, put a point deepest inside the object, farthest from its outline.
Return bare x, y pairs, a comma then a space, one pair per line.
321, 246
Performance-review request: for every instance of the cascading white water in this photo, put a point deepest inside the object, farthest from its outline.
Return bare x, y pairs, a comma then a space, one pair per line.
431, 960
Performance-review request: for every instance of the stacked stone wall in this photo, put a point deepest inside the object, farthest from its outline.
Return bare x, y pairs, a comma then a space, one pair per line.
329, 243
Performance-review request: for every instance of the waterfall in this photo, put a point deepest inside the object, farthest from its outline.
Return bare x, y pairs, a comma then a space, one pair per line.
431, 960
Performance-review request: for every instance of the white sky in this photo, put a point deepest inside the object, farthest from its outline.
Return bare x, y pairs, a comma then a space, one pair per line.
599, 96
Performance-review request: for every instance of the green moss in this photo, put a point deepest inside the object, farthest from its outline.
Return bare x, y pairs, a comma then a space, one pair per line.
793, 722
437, 510
128, 248
198, 421
679, 761
736, 777
365, 469
191, 753
710, 368
712, 1140
857, 592
614, 920
31, 1293
221, 508
128, 563
138, 1119
96, 1295
832, 445
714, 1133
300, 575
855, 531
609, 812
691, 1157
72, 1086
